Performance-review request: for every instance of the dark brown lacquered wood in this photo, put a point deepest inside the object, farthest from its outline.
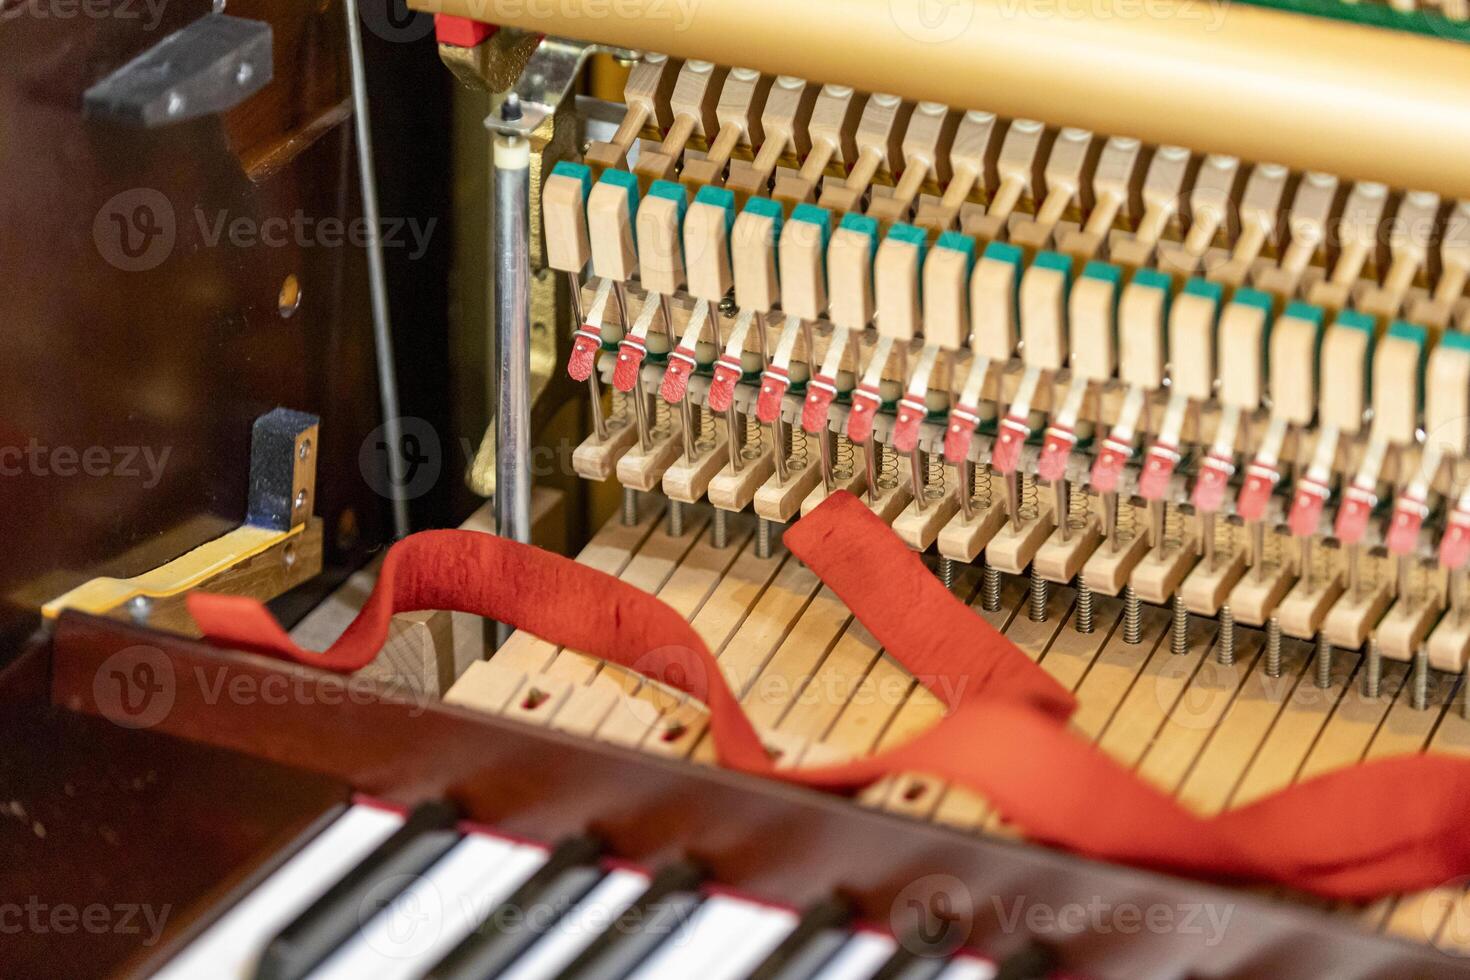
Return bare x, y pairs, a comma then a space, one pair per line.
158, 370
773, 841
115, 844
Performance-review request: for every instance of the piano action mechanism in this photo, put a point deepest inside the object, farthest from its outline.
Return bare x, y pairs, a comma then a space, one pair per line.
1149, 332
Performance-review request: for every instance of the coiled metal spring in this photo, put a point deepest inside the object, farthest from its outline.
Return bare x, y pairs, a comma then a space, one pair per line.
1173, 534
934, 477
1227, 539
1029, 506
618, 416
799, 453
887, 467
843, 464
1079, 509
981, 490
1271, 556
705, 442
1126, 527
663, 418
755, 437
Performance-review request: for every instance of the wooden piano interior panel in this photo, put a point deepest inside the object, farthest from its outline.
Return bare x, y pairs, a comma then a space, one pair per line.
114, 842
816, 686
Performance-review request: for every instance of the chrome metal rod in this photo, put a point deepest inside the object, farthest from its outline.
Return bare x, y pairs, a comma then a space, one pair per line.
511, 232
377, 278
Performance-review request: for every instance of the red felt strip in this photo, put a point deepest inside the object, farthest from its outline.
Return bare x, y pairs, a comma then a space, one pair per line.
1395, 823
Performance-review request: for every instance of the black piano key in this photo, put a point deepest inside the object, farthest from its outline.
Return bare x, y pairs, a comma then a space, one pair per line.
815, 940
660, 912
905, 964
568, 875
394, 865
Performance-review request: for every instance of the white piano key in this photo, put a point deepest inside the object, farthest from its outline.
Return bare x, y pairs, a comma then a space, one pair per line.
232, 945
859, 958
723, 940
968, 968
579, 927
423, 923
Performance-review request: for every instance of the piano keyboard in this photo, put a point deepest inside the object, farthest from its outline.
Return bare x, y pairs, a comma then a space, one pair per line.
817, 686
385, 895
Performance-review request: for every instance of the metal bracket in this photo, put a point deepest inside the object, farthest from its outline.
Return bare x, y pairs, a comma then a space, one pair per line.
544, 82
209, 67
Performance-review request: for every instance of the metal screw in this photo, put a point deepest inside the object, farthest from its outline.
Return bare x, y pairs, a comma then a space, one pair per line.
1273, 647
727, 306
676, 518
1038, 596
1179, 629
1084, 606
1373, 670
946, 572
763, 538
303, 452
990, 588
510, 109
720, 529
140, 607
1132, 617
630, 506
1225, 645
1324, 661
1421, 679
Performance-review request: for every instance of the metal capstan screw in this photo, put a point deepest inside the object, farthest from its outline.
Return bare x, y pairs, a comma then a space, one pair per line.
1225, 645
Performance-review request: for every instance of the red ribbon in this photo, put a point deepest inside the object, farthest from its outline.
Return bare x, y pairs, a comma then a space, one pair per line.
1381, 827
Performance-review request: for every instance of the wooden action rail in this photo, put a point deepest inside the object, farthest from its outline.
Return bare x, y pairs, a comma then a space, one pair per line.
771, 841
817, 687
1251, 82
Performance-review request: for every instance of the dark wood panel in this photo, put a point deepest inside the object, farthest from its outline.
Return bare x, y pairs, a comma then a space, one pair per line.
114, 842
771, 840
156, 357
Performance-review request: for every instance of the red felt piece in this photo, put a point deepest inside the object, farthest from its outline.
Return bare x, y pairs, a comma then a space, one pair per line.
1396, 824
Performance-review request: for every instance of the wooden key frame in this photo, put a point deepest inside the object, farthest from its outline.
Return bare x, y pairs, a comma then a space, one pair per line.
544, 783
